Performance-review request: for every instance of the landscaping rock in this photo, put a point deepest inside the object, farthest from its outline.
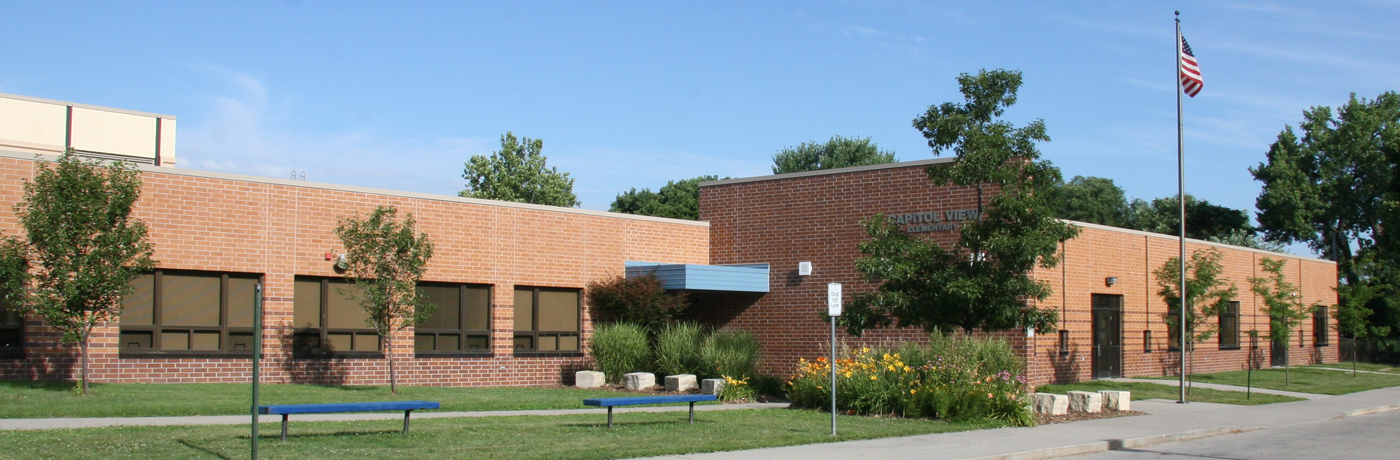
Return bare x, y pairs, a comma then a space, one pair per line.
1050, 404
1116, 400
589, 379
681, 382
1085, 401
639, 380
711, 386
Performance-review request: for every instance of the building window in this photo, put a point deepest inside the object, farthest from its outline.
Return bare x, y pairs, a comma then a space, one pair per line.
177, 313
547, 320
11, 332
1230, 327
1147, 341
1173, 332
327, 321
1320, 336
461, 323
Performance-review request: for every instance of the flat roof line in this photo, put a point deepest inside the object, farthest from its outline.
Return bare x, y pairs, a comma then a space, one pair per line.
377, 191
827, 172
1192, 240
86, 106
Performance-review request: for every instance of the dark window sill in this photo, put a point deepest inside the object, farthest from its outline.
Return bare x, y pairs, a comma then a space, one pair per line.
328, 355
453, 354
185, 355
1229, 347
547, 354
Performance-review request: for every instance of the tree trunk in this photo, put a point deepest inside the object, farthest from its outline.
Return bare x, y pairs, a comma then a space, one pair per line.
393, 376
84, 371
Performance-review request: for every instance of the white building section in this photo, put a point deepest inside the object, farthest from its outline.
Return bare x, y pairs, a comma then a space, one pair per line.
48, 127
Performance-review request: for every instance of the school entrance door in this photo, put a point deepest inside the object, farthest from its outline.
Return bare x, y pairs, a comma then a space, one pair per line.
1108, 336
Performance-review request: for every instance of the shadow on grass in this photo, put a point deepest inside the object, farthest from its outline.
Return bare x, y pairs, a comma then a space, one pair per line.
46, 385
616, 424
203, 449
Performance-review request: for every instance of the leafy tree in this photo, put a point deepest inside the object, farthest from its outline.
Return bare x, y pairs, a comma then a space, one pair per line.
637, 300
677, 200
1208, 295
1335, 189
1248, 239
983, 280
83, 243
838, 152
1090, 199
517, 173
1281, 302
14, 272
385, 259
1203, 219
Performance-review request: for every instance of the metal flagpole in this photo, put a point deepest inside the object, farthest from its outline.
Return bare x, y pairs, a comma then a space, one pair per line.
1181, 310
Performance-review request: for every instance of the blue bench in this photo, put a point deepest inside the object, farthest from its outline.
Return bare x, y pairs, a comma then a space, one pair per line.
631, 401
405, 406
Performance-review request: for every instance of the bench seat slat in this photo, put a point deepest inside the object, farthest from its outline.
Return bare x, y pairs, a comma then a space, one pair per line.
629, 401
347, 407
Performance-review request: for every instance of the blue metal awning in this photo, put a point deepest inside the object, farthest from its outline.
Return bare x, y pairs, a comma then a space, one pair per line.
698, 277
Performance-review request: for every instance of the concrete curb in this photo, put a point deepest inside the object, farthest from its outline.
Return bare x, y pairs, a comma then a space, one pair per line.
1367, 411
1117, 444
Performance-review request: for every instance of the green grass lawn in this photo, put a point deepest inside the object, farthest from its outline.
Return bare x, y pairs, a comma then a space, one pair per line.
56, 399
524, 437
1143, 390
1303, 380
1346, 365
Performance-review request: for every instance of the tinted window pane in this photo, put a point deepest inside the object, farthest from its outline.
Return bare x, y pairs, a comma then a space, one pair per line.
205, 341
558, 310
306, 341
448, 300
178, 340
10, 318
135, 340
524, 343
137, 306
339, 342
547, 343
478, 308
240, 301
240, 341
448, 342
366, 342
307, 309
189, 300
342, 312
422, 342
524, 311
476, 342
568, 343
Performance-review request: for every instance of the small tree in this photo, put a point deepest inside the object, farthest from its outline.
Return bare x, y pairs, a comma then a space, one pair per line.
14, 273
638, 300
517, 173
385, 259
1208, 294
677, 200
1281, 302
83, 243
839, 152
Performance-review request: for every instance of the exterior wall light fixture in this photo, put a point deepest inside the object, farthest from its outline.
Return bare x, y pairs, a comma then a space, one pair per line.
1110, 281
804, 269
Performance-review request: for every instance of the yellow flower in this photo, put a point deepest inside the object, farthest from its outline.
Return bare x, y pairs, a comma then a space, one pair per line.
874, 378
890, 368
848, 374
913, 391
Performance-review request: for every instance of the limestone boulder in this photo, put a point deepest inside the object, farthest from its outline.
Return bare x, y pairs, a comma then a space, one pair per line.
639, 380
711, 386
589, 379
1116, 400
1051, 404
1085, 401
682, 382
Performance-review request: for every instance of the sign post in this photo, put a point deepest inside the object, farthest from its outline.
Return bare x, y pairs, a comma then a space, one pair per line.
833, 309
257, 353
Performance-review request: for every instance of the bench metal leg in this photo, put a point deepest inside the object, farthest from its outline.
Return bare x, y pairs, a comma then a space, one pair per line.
405, 421
609, 416
284, 427
692, 412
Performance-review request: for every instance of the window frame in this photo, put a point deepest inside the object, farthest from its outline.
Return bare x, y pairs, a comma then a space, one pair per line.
17, 352
157, 329
1320, 321
1232, 311
462, 331
324, 331
534, 333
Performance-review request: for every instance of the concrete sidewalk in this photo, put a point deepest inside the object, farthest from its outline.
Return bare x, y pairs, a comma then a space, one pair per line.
1223, 387
1167, 422
54, 423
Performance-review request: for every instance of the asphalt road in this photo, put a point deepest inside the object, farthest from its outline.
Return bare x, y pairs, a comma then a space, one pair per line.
1375, 436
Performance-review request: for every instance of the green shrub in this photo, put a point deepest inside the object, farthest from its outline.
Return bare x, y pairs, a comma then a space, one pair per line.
956, 378
729, 354
736, 390
619, 348
678, 349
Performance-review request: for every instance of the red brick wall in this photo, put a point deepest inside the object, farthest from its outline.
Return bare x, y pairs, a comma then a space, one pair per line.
815, 217
281, 229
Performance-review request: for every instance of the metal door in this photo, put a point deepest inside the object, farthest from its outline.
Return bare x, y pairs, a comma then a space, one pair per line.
1108, 336
1278, 352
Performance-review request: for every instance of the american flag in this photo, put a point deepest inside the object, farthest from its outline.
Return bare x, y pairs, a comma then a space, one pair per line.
1190, 73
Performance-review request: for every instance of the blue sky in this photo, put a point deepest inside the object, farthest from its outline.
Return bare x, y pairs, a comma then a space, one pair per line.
398, 95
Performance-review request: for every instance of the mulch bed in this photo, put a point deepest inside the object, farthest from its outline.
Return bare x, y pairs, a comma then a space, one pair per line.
1046, 419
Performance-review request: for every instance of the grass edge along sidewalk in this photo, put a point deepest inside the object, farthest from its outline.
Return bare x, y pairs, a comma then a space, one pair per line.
565, 436
1143, 390
29, 399
1300, 379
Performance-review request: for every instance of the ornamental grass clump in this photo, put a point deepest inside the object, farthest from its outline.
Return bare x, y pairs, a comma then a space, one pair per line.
729, 354
955, 378
678, 349
619, 348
